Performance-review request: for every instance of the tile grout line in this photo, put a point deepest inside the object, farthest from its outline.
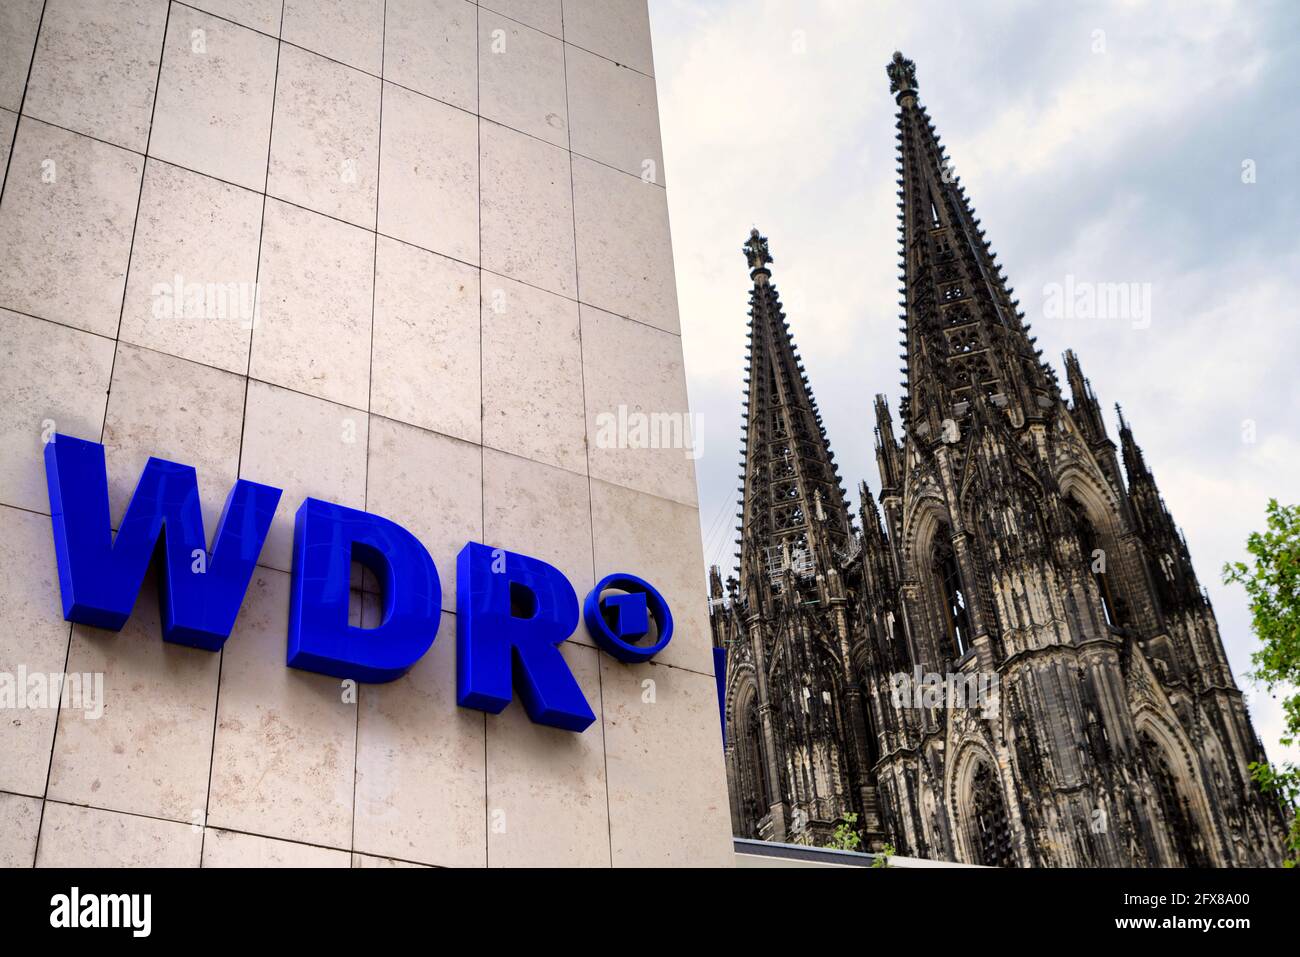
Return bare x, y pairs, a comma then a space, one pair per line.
424, 96
243, 427
67, 652
586, 421
306, 209
428, 431
407, 89
22, 100
418, 428
350, 66
370, 402
117, 341
429, 96
206, 827
482, 455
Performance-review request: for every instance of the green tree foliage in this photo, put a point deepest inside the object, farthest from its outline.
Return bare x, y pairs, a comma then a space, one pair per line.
846, 836
1272, 584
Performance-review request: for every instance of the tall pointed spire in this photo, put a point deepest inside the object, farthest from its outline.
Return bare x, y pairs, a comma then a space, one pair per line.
1084, 404
793, 501
889, 456
1086, 411
962, 329
1171, 561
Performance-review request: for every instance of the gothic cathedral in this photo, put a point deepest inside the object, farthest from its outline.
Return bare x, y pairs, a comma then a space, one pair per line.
1012, 661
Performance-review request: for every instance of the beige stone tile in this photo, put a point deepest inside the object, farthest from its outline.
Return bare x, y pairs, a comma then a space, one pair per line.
659, 541
667, 786
546, 786
8, 126
263, 15
426, 341
532, 374
432, 486
420, 766
307, 447
625, 255
615, 115
369, 860
34, 637
192, 286
541, 15
52, 379
351, 31
521, 78
84, 837
428, 174
176, 410
617, 29
325, 141
639, 432
540, 511
313, 325
65, 227
96, 68
232, 849
526, 209
20, 819
429, 47
148, 752
282, 763
213, 112
18, 22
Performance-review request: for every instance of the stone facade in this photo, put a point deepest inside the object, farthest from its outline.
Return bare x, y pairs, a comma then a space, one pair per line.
1088, 716
452, 219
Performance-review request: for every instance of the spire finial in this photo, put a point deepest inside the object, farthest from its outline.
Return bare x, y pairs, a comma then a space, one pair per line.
902, 74
756, 252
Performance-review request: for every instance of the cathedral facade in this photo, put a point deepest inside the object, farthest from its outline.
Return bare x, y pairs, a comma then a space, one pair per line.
1008, 660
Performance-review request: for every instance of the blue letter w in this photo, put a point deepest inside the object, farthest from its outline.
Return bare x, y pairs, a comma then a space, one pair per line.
100, 577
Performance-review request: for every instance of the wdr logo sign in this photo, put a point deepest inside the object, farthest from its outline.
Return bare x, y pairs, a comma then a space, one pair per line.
512, 611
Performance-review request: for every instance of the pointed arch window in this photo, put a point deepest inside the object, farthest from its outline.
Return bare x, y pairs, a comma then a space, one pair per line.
953, 615
992, 829
756, 798
1094, 559
1180, 823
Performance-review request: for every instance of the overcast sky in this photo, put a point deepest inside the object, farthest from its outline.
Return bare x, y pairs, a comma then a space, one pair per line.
1099, 141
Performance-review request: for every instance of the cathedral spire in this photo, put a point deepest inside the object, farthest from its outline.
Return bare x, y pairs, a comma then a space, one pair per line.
889, 457
962, 329
1141, 483
1175, 579
1084, 404
793, 503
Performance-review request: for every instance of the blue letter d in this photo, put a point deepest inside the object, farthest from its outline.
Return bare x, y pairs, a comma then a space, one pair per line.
326, 540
